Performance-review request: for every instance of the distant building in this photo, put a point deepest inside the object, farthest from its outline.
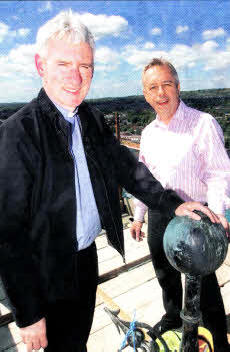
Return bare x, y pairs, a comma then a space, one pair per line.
109, 116
130, 137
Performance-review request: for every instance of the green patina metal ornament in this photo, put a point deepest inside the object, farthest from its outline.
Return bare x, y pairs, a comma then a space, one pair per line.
195, 247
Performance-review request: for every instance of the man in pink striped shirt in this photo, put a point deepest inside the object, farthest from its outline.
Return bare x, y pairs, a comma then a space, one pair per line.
184, 150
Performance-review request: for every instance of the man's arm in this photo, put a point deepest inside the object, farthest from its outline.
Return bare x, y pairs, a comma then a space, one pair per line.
140, 207
17, 267
185, 209
135, 177
215, 164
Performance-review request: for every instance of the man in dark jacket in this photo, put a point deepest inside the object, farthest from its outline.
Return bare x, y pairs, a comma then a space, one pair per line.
60, 171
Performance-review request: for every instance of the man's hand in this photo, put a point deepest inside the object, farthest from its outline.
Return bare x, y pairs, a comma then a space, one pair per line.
34, 336
136, 232
188, 207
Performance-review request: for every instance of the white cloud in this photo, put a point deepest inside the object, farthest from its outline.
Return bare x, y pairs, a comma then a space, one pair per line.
192, 62
103, 25
47, 6
205, 55
149, 45
6, 32
105, 55
106, 59
19, 62
129, 48
106, 87
182, 56
213, 33
22, 90
23, 32
156, 31
3, 31
228, 44
220, 81
138, 58
19, 80
209, 45
222, 63
181, 29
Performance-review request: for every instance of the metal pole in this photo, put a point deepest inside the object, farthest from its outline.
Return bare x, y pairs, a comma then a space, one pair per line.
117, 128
191, 314
117, 125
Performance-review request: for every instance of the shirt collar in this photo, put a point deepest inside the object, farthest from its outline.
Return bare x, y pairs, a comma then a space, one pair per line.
179, 115
68, 115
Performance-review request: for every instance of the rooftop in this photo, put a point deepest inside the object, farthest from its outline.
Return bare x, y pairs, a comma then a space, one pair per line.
132, 286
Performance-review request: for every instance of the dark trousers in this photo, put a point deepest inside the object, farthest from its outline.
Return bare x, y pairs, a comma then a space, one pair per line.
69, 322
211, 303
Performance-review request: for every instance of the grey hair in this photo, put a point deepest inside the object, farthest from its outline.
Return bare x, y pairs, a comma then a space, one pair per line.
162, 62
65, 24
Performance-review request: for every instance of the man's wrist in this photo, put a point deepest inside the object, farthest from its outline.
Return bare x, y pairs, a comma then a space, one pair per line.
138, 220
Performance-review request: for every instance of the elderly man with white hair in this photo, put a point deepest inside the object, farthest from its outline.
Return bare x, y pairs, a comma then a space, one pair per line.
60, 171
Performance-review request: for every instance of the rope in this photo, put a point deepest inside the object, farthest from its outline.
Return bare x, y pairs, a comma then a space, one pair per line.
132, 328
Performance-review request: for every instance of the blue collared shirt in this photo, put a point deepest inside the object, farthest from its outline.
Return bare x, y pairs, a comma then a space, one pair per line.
88, 224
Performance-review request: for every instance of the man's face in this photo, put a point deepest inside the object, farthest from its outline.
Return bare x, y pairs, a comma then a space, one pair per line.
66, 71
161, 91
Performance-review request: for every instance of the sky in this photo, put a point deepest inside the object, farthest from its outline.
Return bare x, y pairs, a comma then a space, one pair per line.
193, 34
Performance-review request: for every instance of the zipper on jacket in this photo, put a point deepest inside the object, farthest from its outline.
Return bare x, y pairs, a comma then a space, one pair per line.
110, 210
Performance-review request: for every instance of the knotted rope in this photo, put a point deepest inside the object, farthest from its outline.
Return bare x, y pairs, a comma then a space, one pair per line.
131, 331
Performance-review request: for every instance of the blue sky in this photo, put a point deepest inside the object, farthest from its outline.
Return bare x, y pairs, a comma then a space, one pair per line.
193, 35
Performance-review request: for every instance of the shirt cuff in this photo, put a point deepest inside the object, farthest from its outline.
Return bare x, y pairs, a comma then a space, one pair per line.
217, 208
139, 214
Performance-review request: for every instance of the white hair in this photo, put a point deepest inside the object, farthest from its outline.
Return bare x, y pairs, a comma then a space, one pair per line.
65, 24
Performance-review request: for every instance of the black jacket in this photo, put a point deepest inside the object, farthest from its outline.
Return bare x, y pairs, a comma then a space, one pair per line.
37, 200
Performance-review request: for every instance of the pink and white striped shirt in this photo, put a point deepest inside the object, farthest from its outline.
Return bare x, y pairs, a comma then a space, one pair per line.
188, 156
